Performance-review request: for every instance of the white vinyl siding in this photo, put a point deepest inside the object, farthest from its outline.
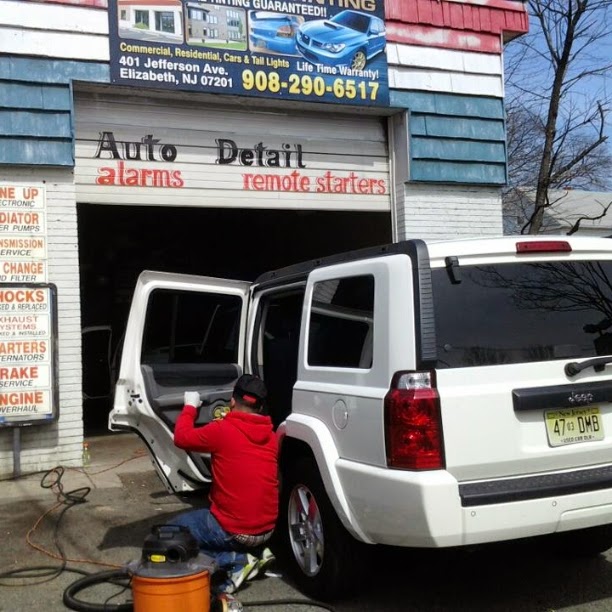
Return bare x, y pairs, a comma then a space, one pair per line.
413, 68
53, 30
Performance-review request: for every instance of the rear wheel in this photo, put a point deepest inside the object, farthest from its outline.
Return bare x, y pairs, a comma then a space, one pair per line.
315, 548
582, 542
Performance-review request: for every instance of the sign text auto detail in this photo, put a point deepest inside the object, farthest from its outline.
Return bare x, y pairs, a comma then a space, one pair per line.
287, 157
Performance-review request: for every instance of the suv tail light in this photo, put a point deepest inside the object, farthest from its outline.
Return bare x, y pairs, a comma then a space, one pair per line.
413, 425
544, 246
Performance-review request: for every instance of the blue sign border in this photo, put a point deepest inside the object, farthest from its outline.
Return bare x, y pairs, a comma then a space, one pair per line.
312, 51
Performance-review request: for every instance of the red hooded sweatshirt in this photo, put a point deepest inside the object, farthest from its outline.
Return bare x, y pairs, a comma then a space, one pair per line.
244, 449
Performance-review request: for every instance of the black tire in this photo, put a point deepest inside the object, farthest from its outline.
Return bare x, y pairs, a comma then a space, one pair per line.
582, 542
316, 551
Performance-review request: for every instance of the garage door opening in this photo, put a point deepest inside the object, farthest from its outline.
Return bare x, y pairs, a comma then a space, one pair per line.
116, 243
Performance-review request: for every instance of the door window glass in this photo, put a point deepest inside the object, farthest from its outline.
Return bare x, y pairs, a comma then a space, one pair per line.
190, 327
278, 333
341, 323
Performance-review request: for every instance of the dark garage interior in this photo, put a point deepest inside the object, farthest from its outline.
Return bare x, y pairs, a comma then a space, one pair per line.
116, 243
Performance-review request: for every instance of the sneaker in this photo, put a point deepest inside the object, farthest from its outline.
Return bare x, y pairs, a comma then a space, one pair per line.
239, 576
263, 563
226, 603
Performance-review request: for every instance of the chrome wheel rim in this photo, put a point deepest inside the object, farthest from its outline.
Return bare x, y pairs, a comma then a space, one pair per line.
359, 61
306, 530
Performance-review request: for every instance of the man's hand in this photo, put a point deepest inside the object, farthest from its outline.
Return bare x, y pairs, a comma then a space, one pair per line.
192, 398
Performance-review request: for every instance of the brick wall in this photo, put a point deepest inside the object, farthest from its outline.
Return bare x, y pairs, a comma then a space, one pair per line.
448, 212
45, 446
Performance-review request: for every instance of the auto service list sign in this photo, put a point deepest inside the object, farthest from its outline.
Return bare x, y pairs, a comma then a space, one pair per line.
26, 363
309, 50
27, 309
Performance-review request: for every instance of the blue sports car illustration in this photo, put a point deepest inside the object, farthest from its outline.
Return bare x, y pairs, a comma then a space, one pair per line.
274, 31
349, 38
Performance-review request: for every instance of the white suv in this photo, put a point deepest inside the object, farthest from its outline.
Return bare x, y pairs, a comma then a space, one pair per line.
425, 394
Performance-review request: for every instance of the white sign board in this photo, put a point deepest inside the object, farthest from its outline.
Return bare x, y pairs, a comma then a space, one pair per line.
23, 233
28, 364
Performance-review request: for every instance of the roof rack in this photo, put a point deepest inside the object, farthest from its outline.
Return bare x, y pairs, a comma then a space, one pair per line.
299, 271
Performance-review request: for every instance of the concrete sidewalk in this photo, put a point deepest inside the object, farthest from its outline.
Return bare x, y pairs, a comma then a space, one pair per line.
125, 500
111, 456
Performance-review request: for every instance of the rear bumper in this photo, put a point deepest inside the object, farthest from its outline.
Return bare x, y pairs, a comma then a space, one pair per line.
424, 509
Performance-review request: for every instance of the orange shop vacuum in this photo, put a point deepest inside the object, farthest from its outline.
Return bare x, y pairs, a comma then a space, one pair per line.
172, 574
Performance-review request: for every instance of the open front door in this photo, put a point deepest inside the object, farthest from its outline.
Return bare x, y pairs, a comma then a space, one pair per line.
184, 333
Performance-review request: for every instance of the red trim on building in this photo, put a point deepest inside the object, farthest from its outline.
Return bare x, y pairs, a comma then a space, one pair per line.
160, 3
407, 21
94, 3
462, 40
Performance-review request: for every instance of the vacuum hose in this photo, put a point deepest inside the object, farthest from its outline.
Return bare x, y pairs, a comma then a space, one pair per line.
70, 601
114, 576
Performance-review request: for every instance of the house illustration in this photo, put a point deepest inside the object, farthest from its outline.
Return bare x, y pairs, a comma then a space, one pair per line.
151, 20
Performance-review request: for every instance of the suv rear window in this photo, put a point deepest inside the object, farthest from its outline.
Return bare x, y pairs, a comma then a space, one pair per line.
513, 313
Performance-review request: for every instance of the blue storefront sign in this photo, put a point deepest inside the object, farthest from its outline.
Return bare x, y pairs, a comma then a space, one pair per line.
310, 50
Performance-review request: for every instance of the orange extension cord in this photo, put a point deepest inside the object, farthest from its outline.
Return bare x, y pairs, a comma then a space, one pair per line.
57, 488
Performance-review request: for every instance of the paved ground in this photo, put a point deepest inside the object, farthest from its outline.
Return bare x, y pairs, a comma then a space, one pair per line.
125, 500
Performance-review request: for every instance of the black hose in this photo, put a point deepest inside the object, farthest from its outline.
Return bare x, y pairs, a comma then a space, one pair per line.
70, 601
288, 602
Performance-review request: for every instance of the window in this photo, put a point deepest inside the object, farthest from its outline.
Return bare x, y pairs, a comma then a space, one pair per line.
377, 27
278, 336
123, 15
196, 14
355, 21
164, 21
234, 19
513, 313
187, 327
341, 323
141, 20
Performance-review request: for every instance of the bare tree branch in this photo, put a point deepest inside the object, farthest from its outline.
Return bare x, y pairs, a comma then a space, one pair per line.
557, 138
576, 226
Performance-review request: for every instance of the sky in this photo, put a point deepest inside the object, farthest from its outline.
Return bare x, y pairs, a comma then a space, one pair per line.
533, 73
529, 82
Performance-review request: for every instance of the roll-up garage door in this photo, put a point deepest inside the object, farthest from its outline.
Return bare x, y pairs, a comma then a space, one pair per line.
138, 151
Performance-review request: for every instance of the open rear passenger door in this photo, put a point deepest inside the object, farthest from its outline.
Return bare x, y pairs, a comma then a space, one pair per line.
184, 333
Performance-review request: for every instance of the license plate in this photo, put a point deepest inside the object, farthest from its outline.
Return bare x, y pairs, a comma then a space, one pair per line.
574, 425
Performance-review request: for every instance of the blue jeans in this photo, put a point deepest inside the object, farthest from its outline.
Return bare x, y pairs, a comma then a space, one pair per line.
214, 541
